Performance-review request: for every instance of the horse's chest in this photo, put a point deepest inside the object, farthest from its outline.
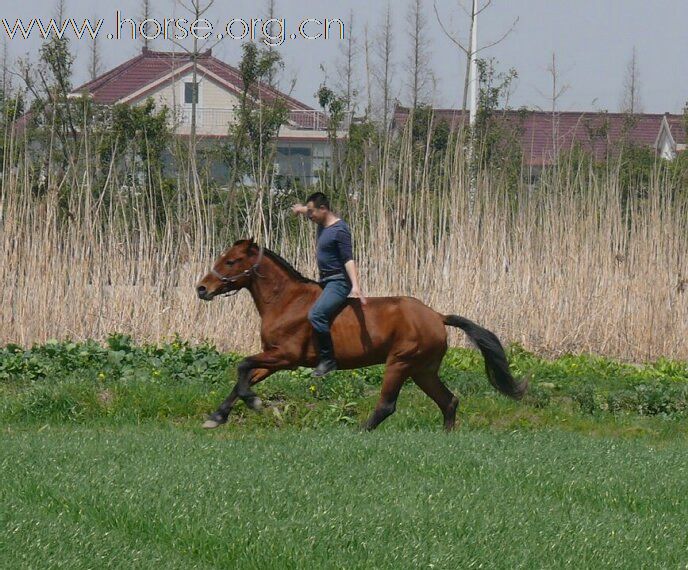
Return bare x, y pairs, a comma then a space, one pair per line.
276, 334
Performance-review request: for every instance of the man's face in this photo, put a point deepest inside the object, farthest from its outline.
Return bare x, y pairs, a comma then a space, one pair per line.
314, 214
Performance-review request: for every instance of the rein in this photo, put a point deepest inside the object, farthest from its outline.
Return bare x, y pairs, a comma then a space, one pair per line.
246, 273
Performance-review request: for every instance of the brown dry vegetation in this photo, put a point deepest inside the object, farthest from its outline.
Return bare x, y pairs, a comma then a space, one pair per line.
562, 268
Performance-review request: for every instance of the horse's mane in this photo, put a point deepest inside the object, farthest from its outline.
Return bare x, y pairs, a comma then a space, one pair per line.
288, 266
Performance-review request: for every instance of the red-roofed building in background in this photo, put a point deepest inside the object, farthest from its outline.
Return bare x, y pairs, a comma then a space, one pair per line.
543, 134
166, 77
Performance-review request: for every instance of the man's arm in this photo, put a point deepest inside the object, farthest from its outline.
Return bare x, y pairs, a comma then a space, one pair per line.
346, 255
350, 267
299, 209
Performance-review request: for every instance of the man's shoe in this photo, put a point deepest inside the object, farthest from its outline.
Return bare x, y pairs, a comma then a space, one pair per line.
324, 367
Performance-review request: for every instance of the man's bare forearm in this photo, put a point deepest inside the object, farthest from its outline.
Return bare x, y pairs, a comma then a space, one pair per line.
350, 267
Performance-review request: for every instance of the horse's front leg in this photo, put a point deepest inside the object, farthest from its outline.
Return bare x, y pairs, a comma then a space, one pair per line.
243, 385
250, 370
220, 416
270, 361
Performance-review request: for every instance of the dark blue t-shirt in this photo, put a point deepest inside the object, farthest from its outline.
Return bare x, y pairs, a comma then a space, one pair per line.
334, 247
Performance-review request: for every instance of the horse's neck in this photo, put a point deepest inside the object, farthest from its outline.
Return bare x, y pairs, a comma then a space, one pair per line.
273, 289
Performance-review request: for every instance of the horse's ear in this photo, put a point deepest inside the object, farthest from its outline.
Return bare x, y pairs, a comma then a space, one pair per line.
252, 245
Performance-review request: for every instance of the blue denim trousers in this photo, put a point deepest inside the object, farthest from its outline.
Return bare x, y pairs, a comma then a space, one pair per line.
334, 295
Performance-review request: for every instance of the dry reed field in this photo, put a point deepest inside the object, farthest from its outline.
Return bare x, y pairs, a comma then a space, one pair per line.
573, 264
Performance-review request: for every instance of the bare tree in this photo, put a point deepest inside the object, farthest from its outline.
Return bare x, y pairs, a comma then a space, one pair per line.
59, 11
467, 48
556, 93
420, 73
346, 67
270, 13
145, 15
368, 69
383, 71
630, 100
4, 78
95, 64
197, 9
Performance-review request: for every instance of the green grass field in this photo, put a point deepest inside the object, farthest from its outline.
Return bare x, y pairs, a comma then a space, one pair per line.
103, 464
149, 495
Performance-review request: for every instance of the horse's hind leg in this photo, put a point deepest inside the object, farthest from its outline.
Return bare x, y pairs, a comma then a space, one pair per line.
220, 416
393, 380
429, 381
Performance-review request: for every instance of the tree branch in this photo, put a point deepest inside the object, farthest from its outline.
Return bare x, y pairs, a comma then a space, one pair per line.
465, 10
446, 33
500, 39
485, 7
175, 42
186, 7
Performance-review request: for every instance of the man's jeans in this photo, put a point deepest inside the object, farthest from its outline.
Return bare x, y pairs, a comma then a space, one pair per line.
334, 295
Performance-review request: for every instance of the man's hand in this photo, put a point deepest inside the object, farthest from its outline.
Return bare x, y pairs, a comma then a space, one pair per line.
350, 267
356, 292
299, 209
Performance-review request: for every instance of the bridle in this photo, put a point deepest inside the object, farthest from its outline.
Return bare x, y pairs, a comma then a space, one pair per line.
246, 273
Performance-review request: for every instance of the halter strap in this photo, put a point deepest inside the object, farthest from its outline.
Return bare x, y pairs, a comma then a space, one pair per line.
246, 273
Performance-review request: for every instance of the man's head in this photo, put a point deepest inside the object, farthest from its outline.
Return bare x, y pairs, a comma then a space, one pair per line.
318, 207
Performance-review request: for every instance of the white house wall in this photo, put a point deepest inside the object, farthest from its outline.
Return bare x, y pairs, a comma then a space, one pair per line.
215, 110
666, 148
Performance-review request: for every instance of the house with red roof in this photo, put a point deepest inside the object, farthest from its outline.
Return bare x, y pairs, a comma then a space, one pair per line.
542, 135
303, 145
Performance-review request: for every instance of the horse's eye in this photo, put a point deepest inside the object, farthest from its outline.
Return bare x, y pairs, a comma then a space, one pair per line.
230, 262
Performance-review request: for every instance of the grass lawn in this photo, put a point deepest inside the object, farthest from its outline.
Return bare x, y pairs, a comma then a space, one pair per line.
103, 464
140, 496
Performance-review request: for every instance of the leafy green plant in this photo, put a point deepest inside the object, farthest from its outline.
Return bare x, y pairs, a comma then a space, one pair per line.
80, 381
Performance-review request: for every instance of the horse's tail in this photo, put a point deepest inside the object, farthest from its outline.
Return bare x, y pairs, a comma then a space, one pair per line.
496, 365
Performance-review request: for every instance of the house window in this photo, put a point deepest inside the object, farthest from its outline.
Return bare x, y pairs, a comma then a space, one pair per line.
190, 92
295, 162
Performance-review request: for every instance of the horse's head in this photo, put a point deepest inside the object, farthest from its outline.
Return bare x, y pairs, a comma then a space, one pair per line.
233, 270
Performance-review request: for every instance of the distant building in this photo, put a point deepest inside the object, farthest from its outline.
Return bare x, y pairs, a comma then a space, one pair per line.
672, 137
303, 146
543, 135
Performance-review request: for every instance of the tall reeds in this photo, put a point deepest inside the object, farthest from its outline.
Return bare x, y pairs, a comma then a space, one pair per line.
574, 263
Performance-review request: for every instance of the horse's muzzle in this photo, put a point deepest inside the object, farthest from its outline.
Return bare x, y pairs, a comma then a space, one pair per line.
203, 293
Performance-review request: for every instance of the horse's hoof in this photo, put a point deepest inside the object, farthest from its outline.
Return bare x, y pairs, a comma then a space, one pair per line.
214, 420
256, 404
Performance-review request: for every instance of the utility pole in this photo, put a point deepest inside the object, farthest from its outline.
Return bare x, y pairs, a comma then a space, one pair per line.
474, 62
471, 49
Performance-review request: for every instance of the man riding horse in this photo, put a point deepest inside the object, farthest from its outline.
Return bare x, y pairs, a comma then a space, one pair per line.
338, 275
406, 335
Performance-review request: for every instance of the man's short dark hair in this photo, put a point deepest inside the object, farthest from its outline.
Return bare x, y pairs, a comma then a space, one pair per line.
318, 199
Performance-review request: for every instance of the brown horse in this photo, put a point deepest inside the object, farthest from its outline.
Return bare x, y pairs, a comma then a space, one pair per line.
406, 335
